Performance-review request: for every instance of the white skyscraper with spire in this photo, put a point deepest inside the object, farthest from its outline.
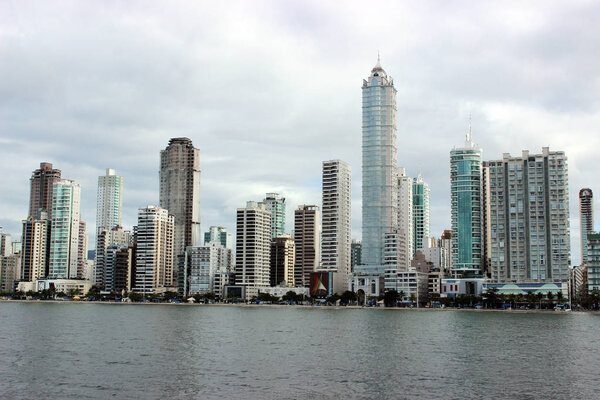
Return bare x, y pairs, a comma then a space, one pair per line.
379, 170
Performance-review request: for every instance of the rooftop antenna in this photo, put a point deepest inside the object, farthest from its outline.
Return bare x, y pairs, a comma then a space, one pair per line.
469, 140
378, 60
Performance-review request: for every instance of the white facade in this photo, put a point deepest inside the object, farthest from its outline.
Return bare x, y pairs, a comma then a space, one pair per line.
154, 258
395, 255
253, 245
336, 236
203, 264
64, 236
432, 252
109, 201
405, 213
408, 283
529, 207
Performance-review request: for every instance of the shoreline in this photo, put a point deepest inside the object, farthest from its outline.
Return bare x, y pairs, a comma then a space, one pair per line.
243, 305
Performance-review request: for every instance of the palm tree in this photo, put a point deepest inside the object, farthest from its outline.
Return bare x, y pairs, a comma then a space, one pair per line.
550, 296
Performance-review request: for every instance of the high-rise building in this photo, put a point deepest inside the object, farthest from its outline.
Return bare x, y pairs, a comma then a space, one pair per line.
379, 170
486, 217
336, 214
115, 236
180, 191
283, 258
356, 256
5, 244
446, 246
109, 202
10, 270
395, 256
35, 247
219, 234
529, 217
276, 205
306, 237
65, 230
120, 261
82, 250
42, 181
465, 206
253, 245
586, 219
154, 257
420, 212
405, 214
593, 260
205, 264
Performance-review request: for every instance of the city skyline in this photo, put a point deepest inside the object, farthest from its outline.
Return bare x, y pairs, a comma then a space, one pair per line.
433, 106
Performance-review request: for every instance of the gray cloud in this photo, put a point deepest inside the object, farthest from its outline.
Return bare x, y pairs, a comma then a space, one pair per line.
268, 90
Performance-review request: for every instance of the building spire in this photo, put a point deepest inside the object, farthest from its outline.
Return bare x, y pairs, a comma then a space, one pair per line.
378, 60
469, 138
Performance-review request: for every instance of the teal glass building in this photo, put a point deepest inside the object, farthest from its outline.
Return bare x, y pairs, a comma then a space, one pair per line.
466, 210
379, 170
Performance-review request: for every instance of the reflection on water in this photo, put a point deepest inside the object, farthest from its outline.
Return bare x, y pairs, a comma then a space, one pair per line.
99, 351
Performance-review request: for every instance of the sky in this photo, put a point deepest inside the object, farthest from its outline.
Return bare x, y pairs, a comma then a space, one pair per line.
267, 90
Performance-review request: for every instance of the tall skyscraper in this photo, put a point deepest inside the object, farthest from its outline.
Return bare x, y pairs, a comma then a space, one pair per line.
276, 205
405, 216
586, 219
306, 237
219, 234
379, 170
465, 206
40, 197
283, 258
180, 191
420, 212
253, 245
336, 237
109, 201
529, 208
154, 258
35, 247
65, 231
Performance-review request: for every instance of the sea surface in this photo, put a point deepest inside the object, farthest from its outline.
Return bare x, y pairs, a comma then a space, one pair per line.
103, 351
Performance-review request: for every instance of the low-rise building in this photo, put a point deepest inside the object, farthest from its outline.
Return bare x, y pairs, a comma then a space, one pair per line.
410, 284
80, 286
467, 286
371, 285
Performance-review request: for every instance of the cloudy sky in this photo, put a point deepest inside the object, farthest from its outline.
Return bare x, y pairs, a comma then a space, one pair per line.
267, 90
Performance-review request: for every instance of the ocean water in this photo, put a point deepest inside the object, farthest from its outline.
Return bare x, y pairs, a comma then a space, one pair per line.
103, 351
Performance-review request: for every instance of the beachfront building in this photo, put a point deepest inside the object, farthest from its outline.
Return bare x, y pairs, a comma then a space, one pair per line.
379, 168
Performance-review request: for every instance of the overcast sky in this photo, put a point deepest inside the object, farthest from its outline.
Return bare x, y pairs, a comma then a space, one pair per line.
267, 90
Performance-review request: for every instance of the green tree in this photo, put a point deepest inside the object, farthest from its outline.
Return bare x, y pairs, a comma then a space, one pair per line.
412, 298
348, 297
390, 298
135, 296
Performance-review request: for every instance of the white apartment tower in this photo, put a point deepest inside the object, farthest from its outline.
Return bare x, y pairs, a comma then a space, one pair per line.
336, 214
405, 216
65, 232
154, 258
529, 217
253, 245
109, 201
